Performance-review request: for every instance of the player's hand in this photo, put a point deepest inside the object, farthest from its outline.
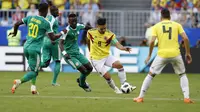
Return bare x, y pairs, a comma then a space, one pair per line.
128, 49
67, 56
64, 31
188, 58
147, 59
12, 33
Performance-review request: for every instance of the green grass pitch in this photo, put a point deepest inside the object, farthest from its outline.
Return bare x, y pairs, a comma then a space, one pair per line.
164, 94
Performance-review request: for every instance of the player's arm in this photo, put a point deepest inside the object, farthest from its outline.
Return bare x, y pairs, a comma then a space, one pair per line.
186, 43
88, 41
187, 47
151, 46
16, 26
61, 45
119, 46
50, 33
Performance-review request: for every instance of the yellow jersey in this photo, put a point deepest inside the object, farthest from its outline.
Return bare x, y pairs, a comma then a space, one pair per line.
100, 43
167, 34
6, 4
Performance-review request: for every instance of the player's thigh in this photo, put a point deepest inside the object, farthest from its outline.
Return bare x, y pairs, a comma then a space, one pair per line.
82, 59
99, 66
110, 60
26, 54
34, 60
158, 65
45, 53
178, 65
56, 53
73, 62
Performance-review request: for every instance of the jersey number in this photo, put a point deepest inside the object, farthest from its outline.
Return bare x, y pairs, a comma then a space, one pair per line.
99, 43
33, 30
168, 31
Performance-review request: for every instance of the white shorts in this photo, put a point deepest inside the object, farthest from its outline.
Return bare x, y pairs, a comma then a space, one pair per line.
100, 65
159, 63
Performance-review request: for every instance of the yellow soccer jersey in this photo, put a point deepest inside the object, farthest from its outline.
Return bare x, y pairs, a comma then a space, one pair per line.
100, 43
167, 34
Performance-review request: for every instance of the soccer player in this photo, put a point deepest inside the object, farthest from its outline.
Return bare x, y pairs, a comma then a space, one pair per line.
70, 51
167, 33
38, 26
99, 42
51, 49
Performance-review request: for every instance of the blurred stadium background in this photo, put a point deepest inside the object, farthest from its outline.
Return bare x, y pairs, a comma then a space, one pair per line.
131, 21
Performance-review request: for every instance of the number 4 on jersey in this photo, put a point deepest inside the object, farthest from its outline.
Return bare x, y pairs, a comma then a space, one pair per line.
168, 31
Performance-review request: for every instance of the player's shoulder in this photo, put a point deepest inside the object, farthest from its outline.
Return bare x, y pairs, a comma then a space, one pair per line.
176, 23
80, 25
93, 30
108, 32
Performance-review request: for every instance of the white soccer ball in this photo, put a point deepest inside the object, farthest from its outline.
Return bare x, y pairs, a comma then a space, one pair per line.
126, 88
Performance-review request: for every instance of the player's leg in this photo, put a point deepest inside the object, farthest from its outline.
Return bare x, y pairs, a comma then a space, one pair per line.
100, 68
85, 70
33, 86
76, 64
45, 55
156, 68
179, 69
114, 63
56, 54
34, 62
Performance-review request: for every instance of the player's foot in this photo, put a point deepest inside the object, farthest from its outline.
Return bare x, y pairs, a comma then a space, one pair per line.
55, 84
188, 100
118, 91
33, 89
138, 100
16, 84
86, 86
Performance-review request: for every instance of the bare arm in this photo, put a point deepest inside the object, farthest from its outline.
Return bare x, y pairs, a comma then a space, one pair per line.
53, 36
61, 45
186, 42
16, 26
119, 46
64, 53
151, 46
187, 47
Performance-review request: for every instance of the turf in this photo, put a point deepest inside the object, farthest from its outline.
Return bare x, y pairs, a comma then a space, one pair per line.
164, 95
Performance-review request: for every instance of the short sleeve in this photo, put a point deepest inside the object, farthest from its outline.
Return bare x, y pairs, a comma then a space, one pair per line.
114, 39
180, 29
82, 26
25, 20
154, 31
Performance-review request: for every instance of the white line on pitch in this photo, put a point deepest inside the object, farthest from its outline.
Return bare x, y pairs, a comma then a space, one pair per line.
82, 97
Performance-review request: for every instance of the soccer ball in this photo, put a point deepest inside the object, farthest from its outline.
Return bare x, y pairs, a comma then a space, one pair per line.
126, 88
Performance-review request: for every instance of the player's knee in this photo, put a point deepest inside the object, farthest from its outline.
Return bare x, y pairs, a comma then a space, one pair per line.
117, 65
107, 76
45, 64
152, 74
89, 69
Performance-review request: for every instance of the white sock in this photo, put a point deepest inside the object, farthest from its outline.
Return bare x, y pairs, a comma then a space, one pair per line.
111, 83
122, 75
184, 85
33, 88
145, 85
